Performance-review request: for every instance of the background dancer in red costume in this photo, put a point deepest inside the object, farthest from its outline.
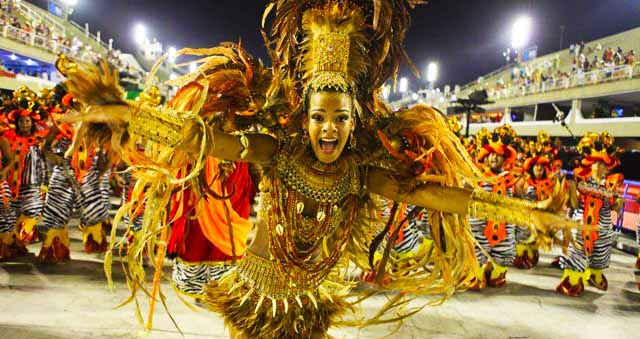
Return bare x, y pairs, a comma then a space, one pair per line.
495, 239
595, 197
536, 185
25, 173
75, 181
201, 246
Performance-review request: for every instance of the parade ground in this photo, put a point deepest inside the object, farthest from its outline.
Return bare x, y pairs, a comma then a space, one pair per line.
72, 300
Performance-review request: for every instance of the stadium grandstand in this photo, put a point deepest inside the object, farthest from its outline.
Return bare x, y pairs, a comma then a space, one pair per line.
32, 37
589, 87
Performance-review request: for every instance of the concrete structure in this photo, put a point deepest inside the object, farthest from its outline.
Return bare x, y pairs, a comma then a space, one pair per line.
72, 301
575, 92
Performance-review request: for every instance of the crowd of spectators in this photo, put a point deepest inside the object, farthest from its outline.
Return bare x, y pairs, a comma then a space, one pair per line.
549, 74
598, 58
12, 25
42, 35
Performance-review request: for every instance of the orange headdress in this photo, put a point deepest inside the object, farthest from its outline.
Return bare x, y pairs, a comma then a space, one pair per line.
25, 103
598, 147
499, 142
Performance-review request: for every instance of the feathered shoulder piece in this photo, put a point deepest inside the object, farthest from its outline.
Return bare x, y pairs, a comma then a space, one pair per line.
423, 147
235, 82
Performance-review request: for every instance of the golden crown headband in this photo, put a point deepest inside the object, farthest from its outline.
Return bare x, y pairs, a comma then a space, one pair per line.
333, 49
330, 62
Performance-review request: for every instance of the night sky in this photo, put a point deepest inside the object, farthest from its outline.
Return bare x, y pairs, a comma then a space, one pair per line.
465, 37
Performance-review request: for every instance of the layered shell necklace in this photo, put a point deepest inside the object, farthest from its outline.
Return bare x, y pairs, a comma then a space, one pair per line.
307, 247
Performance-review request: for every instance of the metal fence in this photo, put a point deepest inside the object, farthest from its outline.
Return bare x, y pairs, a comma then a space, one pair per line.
606, 74
39, 41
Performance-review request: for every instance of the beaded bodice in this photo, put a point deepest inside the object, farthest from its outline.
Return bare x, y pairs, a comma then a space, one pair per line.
308, 241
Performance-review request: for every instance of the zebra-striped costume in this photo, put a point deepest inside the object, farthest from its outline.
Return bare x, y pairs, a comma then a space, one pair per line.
30, 196
580, 258
524, 233
8, 215
191, 278
413, 232
502, 252
65, 193
28, 201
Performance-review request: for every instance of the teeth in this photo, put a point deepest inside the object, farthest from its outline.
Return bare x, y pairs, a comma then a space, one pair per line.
329, 140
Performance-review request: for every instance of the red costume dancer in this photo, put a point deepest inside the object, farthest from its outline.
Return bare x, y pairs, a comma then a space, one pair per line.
537, 185
200, 241
495, 239
24, 175
73, 179
590, 253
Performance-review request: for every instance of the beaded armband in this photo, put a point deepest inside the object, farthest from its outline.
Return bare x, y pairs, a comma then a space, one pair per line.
244, 141
156, 123
594, 190
488, 206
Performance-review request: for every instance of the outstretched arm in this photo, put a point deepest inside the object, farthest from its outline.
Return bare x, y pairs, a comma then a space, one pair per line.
476, 203
431, 196
187, 132
254, 148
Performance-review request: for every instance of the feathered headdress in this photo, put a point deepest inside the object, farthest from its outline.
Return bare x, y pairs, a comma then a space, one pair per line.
46, 96
538, 155
347, 45
499, 142
598, 147
24, 105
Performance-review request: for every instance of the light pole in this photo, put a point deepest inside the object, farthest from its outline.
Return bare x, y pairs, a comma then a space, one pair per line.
432, 74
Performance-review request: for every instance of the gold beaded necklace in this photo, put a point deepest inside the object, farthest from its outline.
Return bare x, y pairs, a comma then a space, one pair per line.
308, 248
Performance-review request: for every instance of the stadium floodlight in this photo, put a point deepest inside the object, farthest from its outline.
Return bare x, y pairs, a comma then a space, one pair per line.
172, 51
193, 67
70, 3
404, 85
520, 32
140, 34
432, 72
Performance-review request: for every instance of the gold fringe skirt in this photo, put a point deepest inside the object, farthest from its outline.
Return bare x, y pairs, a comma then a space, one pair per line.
257, 301
258, 316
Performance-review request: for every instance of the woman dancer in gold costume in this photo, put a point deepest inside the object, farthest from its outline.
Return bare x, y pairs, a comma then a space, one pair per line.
327, 143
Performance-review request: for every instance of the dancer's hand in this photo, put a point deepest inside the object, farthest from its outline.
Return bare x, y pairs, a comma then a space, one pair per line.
558, 198
97, 126
552, 221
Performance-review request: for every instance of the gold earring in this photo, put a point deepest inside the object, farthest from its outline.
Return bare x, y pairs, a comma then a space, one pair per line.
305, 137
352, 142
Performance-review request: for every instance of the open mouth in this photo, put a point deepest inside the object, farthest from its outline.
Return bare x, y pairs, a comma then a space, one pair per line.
328, 145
